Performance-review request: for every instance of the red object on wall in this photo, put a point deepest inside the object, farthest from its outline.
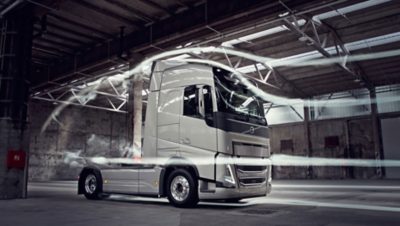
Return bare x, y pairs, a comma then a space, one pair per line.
16, 159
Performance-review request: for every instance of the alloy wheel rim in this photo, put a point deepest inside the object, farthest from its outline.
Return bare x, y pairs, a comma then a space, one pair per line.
90, 184
180, 188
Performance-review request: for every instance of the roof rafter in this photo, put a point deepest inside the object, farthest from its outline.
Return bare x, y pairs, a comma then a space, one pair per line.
74, 32
137, 13
80, 25
56, 35
319, 43
157, 6
180, 28
109, 13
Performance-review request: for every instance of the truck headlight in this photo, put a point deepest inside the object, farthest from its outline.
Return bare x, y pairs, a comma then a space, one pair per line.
229, 179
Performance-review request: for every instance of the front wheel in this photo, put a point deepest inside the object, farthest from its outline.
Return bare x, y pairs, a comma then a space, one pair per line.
91, 186
182, 189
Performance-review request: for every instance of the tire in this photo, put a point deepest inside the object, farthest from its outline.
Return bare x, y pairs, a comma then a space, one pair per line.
182, 189
92, 186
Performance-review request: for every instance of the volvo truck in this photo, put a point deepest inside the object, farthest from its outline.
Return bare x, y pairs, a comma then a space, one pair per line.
205, 138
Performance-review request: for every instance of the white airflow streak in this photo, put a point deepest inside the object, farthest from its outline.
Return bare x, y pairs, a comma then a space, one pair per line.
323, 16
274, 160
142, 70
314, 58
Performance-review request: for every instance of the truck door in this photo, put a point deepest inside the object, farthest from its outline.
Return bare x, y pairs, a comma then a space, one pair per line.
198, 138
168, 122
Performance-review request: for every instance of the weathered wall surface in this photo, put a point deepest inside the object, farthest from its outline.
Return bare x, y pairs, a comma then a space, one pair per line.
296, 133
58, 152
352, 139
318, 132
12, 180
361, 146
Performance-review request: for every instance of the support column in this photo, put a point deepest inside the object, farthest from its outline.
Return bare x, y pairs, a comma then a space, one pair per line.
308, 138
15, 55
135, 109
376, 132
137, 115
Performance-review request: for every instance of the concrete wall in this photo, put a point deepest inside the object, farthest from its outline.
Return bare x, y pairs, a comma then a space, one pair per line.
12, 180
58, 152
318, 132
361, 146
296, 133
355, 141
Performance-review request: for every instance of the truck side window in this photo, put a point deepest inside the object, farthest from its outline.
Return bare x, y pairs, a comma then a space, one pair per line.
190, 102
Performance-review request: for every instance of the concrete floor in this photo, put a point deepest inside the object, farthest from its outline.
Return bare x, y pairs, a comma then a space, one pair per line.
291, 203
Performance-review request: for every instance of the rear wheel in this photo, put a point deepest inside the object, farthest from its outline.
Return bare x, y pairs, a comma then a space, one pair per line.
182, 189
91, 186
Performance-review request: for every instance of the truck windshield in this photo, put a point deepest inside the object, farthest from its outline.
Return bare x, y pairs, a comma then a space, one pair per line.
235, 98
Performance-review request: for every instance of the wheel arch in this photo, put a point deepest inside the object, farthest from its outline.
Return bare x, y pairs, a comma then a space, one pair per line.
173, 164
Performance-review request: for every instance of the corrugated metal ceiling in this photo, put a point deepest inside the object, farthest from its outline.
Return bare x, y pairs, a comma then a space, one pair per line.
71, 28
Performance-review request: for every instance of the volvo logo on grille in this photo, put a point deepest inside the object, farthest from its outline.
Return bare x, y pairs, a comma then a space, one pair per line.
251, 130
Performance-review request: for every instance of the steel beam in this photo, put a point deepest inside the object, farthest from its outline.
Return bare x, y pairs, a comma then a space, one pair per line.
319, 44
284, 81
109, 13
307, 138
51, 49
78, 104
55, 35
46, 52
182, 27
57, 43
137, 113
80, 25
134, 11
10, 7
71, 96
74, 32
376, 133
157, 6
296, 112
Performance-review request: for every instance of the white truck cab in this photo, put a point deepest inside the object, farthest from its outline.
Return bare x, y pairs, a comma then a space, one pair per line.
205, 138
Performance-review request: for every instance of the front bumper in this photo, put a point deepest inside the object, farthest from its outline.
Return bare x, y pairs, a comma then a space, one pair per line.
235, 193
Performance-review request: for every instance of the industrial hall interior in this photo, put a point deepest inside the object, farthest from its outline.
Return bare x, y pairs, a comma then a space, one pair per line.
193, 112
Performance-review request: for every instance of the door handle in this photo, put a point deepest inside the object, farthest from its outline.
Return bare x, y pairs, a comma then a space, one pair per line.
185, 140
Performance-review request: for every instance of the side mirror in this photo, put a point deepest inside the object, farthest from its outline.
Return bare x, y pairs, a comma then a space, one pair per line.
263, 122
205, 104
200, 96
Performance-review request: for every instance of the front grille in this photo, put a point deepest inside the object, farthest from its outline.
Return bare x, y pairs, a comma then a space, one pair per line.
249, 181
251, 175
250, 150
251, 168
